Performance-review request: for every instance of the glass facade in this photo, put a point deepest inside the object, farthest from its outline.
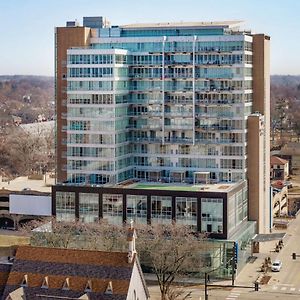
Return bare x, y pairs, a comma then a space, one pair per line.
205, 213
237, 209
186, 211
143, 100
113, 208
88, 207
136, 208
65, 206
212, 215
161, 209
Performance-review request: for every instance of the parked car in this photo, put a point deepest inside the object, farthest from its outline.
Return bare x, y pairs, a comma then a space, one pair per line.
276, 266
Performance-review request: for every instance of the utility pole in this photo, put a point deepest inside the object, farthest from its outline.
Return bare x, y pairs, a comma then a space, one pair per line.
232, 271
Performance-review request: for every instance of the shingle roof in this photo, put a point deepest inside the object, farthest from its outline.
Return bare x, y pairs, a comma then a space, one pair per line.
82, 257
79, 266
275, 160
4, 273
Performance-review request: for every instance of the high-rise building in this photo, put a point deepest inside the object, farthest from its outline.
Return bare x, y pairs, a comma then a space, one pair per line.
180, 102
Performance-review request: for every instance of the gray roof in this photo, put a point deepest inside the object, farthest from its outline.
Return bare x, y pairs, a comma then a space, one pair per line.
269, 237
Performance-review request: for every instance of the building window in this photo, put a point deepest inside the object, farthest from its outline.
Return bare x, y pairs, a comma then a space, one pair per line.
65, 206
113, 208
161, 209
88, 207
136, 208
186, 211
212, 215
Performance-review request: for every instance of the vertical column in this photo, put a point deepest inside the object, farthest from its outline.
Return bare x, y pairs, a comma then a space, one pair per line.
199, 214
124, 208
149, 209
53, 199
173, 208
76, 205
113, 176
100, 206
194, 88
225, 216
163, 88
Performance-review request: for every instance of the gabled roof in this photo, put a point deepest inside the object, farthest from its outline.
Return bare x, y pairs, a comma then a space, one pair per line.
275, 160
83, 270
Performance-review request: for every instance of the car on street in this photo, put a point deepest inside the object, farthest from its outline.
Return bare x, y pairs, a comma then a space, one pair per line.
276, 266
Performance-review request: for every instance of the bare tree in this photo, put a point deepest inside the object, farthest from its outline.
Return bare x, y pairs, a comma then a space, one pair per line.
25, 153
96, 236
169, 251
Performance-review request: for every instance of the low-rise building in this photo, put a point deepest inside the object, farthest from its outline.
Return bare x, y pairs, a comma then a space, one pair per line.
279, 168
51, 273
24, 199
219, 210
280, 200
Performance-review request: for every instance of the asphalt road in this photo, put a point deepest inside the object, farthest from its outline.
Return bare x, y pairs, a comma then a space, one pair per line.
282, 285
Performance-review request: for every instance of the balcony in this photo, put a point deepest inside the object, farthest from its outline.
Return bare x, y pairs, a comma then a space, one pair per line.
178, 140
214, 115
213, 128
179, 127
179, 114
145, 140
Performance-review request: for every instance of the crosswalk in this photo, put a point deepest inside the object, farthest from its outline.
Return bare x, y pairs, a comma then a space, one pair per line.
233, 296
283, 288
286, 289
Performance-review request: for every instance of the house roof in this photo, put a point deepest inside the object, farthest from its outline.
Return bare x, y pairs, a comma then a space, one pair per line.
4, 273
275, 160
69, 273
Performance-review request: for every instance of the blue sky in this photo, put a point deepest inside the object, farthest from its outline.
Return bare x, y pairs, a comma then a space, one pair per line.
27, 26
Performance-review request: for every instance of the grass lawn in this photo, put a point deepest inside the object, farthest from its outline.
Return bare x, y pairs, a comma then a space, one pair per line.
10, 240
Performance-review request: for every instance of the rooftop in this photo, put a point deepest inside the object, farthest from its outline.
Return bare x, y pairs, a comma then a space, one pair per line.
218, 24
23, 183
275, 160
65, 273
217, 187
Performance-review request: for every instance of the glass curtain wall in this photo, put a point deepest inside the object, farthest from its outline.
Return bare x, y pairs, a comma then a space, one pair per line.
88, 207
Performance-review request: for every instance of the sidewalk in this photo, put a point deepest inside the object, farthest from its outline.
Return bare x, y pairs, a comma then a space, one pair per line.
251, 271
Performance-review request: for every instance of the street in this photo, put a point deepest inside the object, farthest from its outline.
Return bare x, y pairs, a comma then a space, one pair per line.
282, 285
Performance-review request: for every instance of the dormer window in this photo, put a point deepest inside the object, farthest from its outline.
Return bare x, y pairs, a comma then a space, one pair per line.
66, 285
109, 289
24, 281
88, 287
45, 284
